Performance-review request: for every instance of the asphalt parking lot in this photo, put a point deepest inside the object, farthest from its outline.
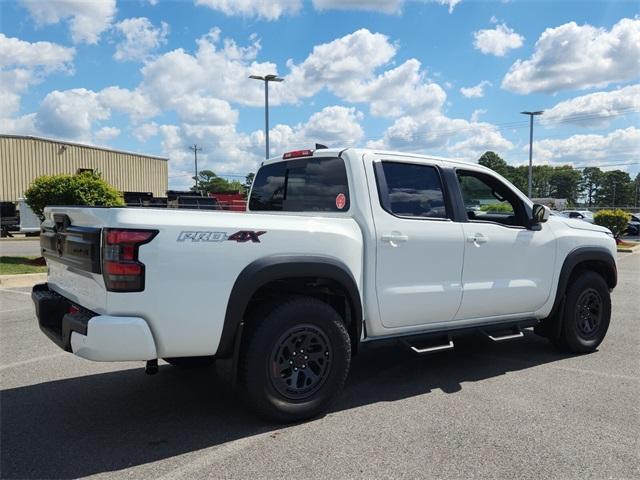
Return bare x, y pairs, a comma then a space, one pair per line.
511, 410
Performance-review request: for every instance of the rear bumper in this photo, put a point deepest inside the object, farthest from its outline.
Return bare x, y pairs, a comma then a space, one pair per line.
102, 338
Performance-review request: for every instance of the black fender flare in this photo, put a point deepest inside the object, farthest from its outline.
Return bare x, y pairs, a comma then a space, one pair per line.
280, 267
606, 267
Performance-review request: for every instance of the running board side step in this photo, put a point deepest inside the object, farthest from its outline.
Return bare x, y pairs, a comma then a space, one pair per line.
430, 349
502, 336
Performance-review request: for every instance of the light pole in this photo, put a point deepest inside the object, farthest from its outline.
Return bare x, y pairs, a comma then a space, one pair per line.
196, 149
266, 79
531, 115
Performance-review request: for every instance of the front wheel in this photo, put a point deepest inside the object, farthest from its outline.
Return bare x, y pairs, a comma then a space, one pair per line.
297, 360
587, 314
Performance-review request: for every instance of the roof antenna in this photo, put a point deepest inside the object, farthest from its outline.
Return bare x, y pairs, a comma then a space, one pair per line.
319, 146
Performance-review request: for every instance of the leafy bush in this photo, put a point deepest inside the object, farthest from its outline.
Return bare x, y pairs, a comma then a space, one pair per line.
86, 188
615, 220
497, 208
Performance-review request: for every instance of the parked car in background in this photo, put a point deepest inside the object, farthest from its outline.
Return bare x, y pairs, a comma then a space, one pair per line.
634, 225
585, 215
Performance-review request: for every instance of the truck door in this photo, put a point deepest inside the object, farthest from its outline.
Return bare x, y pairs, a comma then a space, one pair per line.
508, 268
419, 248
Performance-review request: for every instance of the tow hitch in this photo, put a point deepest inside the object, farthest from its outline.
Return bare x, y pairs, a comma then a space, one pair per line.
152, 367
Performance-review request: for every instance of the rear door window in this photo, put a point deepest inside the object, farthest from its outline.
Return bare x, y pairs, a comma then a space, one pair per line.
411, 190
302, 185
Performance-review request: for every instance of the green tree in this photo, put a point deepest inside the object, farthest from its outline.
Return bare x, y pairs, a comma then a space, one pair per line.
590, 183
493, 161
565, 183
86, 188
541, 182
519, 177
248, 181
617, 189
209, 182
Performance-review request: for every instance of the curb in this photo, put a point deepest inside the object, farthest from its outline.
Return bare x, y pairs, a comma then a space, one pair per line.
24, 280
19, 239
628, 249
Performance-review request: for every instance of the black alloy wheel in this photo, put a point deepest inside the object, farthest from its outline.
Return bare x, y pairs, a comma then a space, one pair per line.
300, 362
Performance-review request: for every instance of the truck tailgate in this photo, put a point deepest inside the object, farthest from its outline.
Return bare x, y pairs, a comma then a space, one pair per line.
70, 241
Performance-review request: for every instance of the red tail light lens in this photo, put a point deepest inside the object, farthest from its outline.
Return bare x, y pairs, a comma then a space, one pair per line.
297, 154
121, 269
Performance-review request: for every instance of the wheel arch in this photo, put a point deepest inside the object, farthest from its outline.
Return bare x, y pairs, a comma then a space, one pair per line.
595, 259
274, 270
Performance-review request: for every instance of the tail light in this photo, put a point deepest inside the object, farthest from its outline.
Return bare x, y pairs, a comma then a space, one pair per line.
297, 154
121, 269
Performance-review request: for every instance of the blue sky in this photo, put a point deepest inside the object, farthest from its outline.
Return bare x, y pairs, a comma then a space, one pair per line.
446, 77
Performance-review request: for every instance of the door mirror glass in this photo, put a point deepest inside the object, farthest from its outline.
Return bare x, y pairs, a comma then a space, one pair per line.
540, 213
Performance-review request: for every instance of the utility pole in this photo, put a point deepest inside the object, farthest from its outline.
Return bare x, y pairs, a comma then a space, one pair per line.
266, 79
195, 148
531, 115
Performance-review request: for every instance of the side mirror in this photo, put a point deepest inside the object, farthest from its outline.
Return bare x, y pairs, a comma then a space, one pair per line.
540, 214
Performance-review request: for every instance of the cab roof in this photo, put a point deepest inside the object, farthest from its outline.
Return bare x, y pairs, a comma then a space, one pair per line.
334, 152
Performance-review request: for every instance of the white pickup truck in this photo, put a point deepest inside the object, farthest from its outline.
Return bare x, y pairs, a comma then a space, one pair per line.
337, 248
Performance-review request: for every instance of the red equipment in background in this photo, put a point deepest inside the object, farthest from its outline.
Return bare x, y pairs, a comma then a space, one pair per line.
231, 201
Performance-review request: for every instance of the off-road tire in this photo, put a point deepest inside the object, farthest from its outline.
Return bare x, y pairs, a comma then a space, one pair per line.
276, 346
587, 314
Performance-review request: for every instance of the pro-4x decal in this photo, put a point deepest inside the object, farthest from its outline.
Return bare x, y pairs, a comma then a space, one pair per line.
242, 236
246, 236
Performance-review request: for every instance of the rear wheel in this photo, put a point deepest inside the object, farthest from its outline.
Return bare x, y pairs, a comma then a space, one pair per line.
587, 314
191, 362
296, 360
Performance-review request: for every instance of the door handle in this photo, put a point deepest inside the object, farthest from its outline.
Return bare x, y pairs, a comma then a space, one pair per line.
394, 238
477, 238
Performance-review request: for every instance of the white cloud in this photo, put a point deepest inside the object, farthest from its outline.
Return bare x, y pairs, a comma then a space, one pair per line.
595, 109
107, 133
70, 114
341, 65
76, 114
24, 125
332, 126
450, 3
436, 133
476, 91
274, 9
23, 64
578, 57
197, 109
141, 38
345, 66
177, 73
400, 91
146, 131
619, 146
475, 115
87, 19
264, 9
134, 103
383, 6
497, 41
46, 56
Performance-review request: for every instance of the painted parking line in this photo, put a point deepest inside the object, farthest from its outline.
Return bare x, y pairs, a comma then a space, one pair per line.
31, 360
